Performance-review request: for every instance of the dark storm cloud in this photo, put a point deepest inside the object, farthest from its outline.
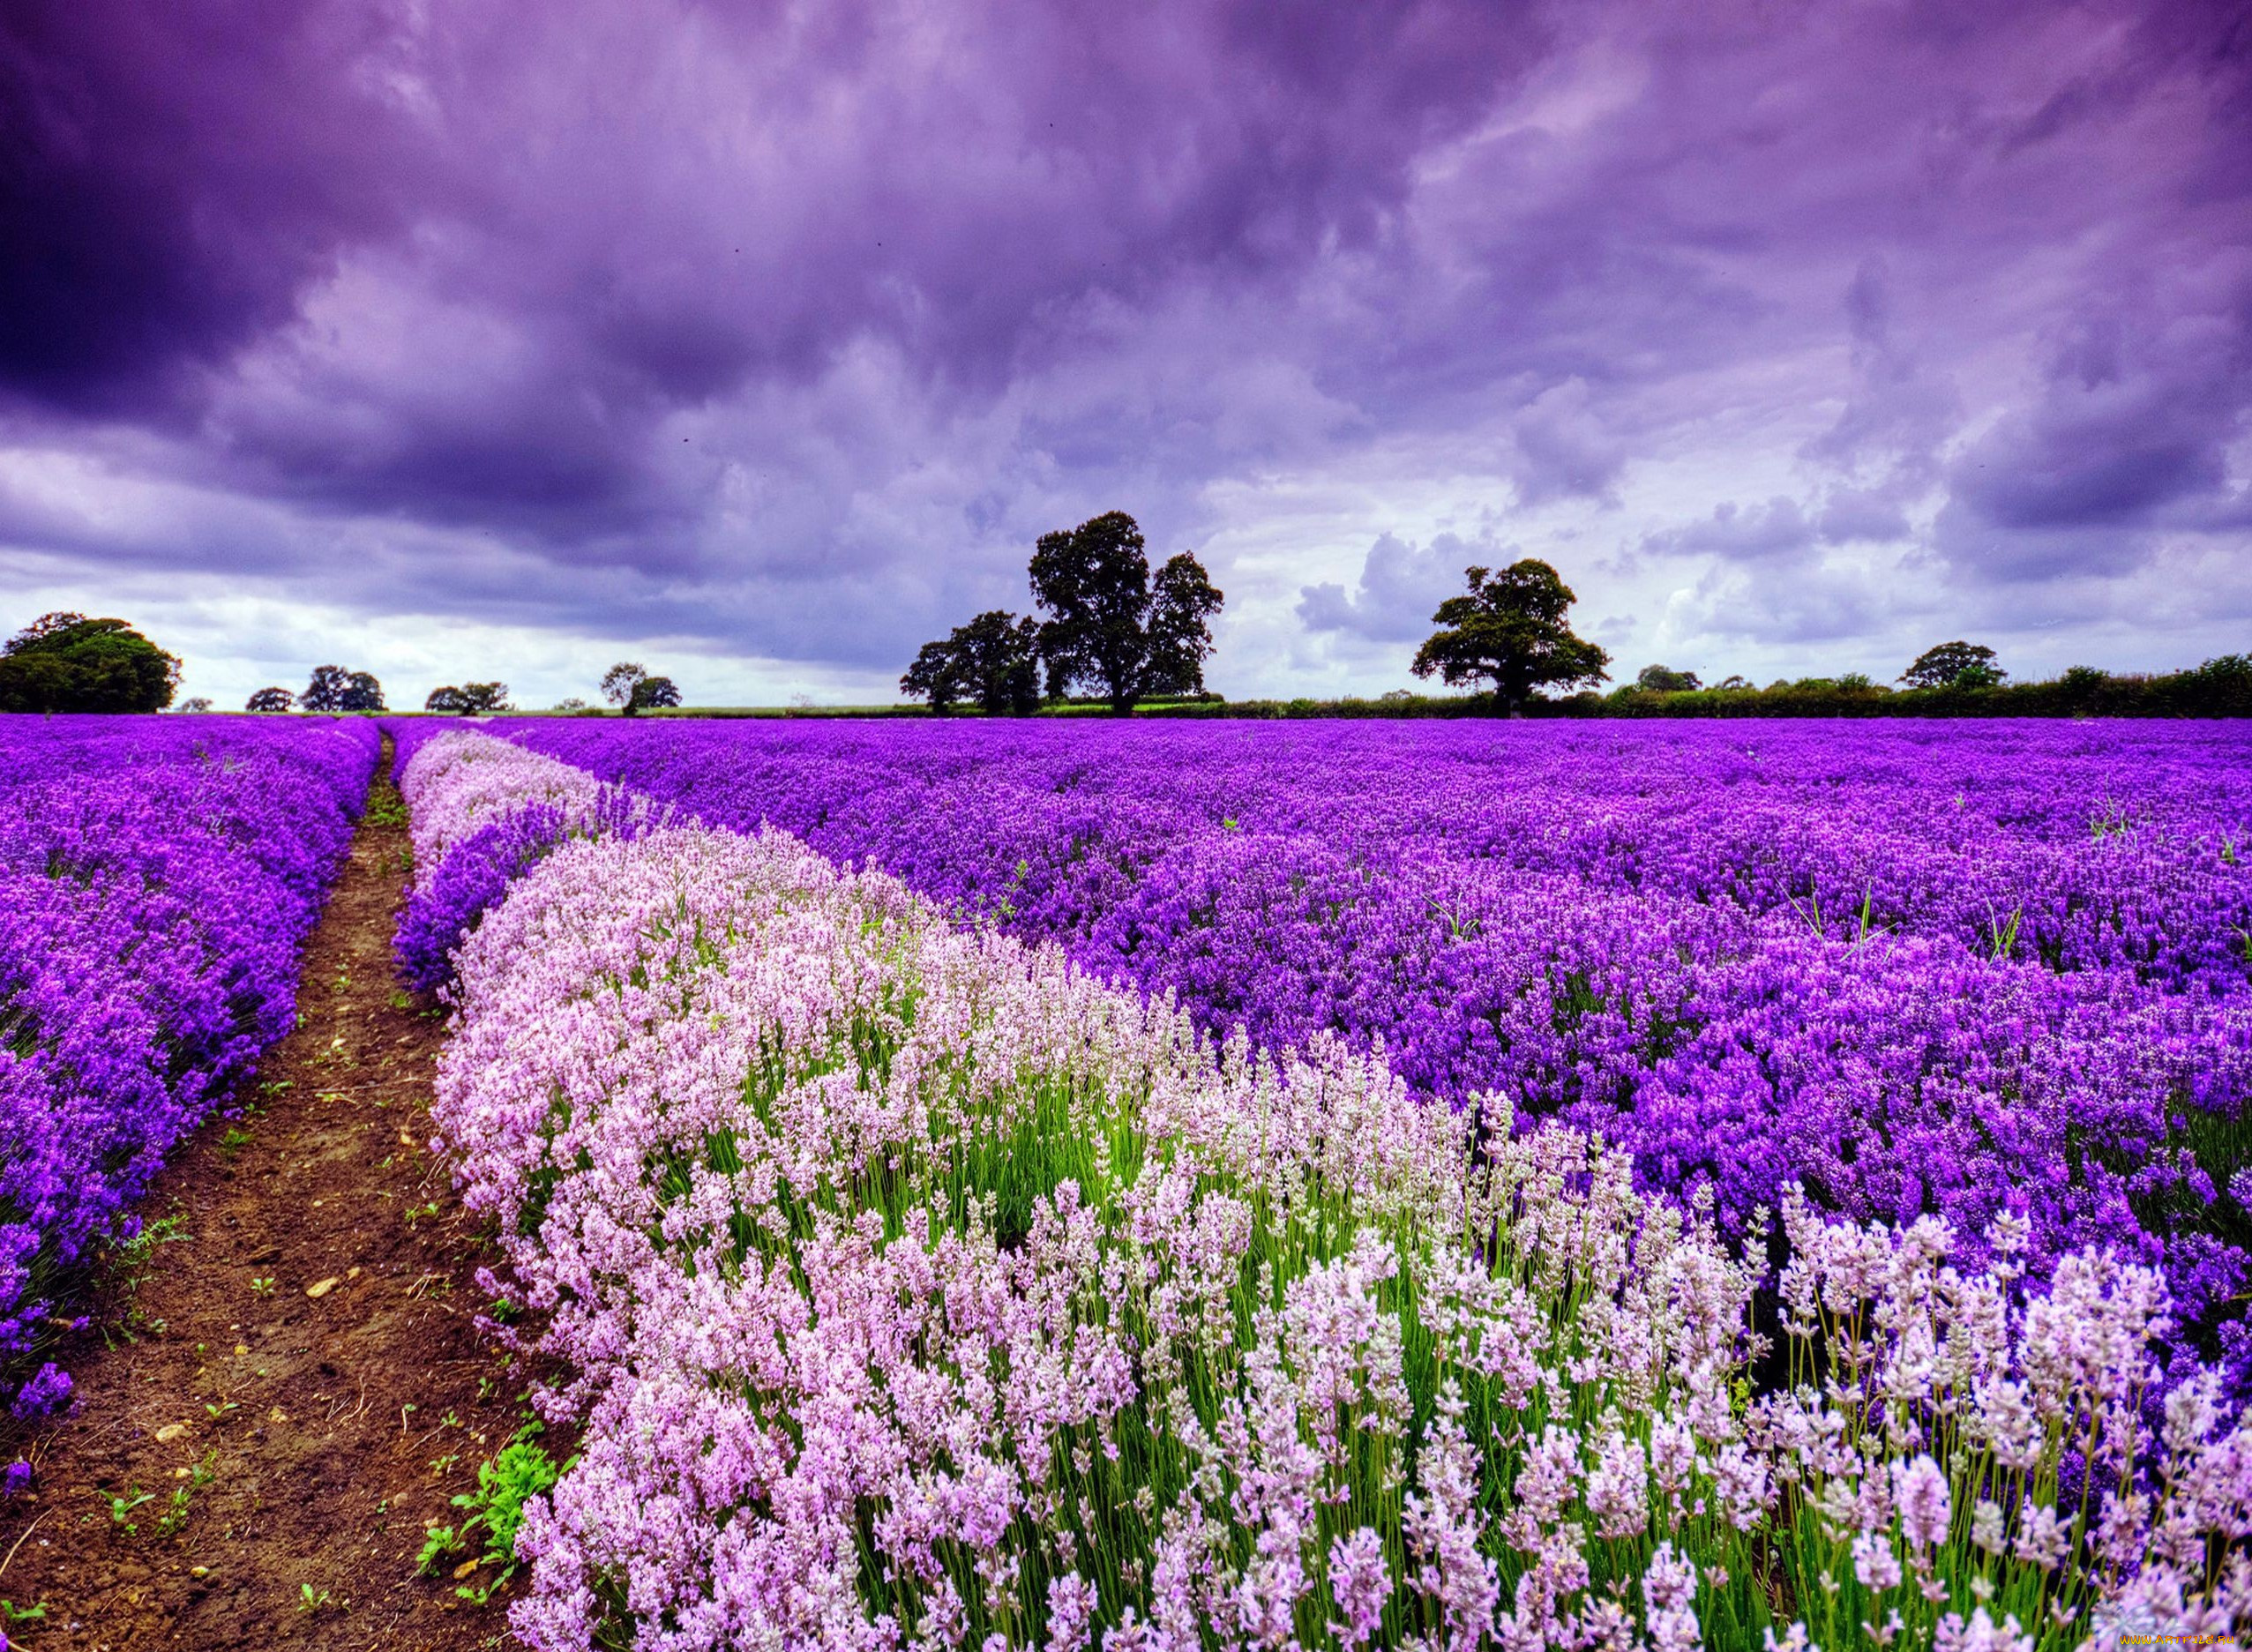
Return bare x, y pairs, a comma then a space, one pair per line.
729, 317
171, 176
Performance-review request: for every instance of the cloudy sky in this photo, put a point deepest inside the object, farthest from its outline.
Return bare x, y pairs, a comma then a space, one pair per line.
757, 341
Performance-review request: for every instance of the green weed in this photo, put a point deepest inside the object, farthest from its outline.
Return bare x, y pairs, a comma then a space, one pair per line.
506, 1483
176, 1513
122, 1508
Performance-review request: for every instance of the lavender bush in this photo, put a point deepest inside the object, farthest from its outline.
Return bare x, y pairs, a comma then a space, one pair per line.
156, 882
1953, 970
923, 1290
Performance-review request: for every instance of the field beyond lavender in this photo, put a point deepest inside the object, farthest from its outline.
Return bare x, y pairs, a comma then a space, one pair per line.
1591, 1227
1913, 970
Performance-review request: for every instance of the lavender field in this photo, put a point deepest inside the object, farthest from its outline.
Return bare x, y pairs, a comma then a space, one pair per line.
1933, 971
156, 882
1148, 1187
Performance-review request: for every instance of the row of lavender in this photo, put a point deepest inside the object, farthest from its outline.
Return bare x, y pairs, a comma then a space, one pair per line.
1949, 970
157, 878
922, 1291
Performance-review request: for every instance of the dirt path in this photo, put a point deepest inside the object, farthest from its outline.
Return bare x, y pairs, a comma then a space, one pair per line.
297, 1355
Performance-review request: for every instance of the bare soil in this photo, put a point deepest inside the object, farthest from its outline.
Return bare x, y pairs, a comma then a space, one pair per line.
296, 1348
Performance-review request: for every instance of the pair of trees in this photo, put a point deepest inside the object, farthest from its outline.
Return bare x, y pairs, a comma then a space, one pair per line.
66, 662
1107, 624
471, 699
629, 686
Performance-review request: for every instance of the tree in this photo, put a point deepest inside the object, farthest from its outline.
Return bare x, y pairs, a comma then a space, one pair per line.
1181, 606
1093, 583
1663, 679
66, 662
1734, 684
333, 689
993, 660
195, 703
270, 699
570, 703
447, 699
485, 697
1509, 628
935, 676
652, 691
620, 682
1105, 627
325, 691
999, 657
1954, 665
630, 687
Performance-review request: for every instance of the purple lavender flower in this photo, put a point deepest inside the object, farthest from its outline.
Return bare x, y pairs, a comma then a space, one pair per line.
47, 1392
157, 878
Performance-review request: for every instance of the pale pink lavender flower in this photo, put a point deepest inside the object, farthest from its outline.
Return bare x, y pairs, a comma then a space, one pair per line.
1361, 1583
1920, 1492
1874, 1563
1669, 1597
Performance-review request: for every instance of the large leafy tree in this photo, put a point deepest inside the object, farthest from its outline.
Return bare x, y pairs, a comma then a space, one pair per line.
67, 663
993, 660
1105, 624
270, 699
1508, 629
1954, 665
1093, 582
1663, 679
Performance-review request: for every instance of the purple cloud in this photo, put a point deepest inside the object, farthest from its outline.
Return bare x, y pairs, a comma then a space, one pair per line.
1401, 585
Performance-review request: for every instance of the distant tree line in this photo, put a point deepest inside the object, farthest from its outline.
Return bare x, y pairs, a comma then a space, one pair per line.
630, 687
1104, 623
2221, 687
